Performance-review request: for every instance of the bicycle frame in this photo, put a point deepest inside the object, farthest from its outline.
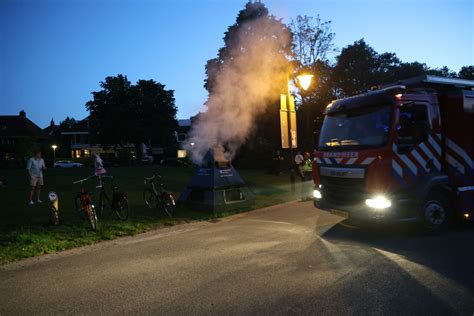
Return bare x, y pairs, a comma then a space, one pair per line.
117, 203
85, 200
165, 200
111, 201
158, 190
86, 204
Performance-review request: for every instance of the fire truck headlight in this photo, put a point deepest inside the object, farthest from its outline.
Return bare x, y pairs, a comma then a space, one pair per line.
378, 202
317, 194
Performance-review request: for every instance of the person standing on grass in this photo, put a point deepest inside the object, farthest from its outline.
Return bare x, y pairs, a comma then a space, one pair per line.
307, 169
299, 159
99, 169
35, 167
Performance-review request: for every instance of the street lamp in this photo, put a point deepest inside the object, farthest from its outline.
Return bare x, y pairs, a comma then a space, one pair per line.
54, 152
305, 80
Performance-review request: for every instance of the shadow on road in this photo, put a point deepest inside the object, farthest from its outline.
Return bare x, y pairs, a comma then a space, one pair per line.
448, 256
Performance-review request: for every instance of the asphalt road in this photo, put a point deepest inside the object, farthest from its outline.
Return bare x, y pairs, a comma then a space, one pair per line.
279, 260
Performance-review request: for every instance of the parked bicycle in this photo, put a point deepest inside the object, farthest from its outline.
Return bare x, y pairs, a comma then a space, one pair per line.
84, 206
118, 203
54, 208
156, 196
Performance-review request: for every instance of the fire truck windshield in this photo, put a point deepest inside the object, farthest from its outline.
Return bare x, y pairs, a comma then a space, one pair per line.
366, 127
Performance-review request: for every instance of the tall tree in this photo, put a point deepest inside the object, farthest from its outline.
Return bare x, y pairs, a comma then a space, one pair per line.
68, 122
313, 40
122, 113
356, 68
359, 67
154, 106
443, 72
110, 110
466, 72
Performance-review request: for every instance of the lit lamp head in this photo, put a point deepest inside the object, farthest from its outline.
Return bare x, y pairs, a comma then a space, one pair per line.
54, 147
304, 81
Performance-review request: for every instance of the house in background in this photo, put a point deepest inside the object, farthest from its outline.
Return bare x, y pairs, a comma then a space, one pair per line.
52, 130
18, 137
183, 128
77, 137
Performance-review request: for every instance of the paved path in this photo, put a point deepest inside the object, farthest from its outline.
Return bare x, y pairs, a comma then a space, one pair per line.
278, 260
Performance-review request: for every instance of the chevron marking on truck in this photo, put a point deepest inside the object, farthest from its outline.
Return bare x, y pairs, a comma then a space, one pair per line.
468, 188
344, 161
351, 161
435, 145
397, 168
368, 161
420, 159
460, 152
417, 160
455, 164
429, 154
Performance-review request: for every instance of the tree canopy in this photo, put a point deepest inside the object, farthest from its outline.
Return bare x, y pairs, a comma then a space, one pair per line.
122, 113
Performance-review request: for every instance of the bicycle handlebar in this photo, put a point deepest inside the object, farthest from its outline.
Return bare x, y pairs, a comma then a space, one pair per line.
156, 175
81, 181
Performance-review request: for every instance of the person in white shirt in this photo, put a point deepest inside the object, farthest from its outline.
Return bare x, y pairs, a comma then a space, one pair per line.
35, 167
299, 159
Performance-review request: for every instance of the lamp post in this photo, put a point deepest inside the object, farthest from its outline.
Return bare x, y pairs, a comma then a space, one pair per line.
288, 120
54, 153
288, 106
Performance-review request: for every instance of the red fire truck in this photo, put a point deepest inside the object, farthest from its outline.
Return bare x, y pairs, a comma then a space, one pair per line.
403, 152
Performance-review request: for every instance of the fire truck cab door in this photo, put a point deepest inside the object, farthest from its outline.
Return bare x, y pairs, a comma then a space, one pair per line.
412, 137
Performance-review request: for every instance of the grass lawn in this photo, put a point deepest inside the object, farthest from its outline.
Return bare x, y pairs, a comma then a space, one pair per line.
24, 231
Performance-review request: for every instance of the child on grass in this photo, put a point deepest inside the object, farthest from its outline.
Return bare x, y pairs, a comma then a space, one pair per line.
99, 169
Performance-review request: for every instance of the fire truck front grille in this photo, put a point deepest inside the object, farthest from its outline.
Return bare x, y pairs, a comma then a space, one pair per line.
342, 191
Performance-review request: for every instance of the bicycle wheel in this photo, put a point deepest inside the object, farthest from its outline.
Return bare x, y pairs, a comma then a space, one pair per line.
92, 217
168, 204
102, 204
121, 208
150, 198
79, 207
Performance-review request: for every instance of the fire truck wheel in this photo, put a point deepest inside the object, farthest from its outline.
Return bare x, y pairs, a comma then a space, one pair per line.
436, 212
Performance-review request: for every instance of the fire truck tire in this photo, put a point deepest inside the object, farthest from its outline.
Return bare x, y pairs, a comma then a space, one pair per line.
436, 212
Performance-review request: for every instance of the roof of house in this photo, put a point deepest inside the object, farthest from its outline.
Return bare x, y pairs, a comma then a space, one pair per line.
184, 123
51, 129
20, 126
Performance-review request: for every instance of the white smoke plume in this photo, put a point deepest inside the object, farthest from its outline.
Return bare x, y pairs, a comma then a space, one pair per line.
243, 89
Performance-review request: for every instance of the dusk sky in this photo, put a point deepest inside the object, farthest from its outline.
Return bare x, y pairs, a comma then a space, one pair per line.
54, 53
